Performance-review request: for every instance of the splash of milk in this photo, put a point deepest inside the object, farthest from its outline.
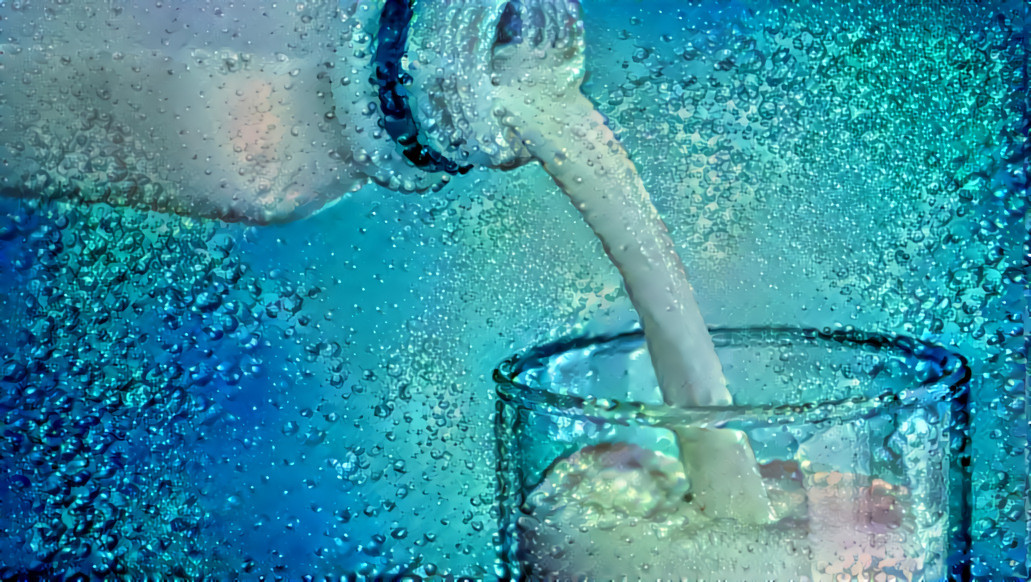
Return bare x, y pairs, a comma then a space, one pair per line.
588, 163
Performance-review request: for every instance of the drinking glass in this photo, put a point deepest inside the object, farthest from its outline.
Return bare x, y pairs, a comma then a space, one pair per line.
860, 439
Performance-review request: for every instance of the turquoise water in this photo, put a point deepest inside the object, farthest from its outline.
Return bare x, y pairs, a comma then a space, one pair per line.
194, 398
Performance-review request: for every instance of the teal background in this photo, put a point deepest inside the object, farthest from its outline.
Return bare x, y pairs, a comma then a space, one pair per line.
192, 398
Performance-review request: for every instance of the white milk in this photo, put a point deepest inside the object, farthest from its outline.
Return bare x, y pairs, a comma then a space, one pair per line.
617, 510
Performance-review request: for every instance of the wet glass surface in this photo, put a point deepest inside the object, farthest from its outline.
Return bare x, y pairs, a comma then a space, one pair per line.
191, 397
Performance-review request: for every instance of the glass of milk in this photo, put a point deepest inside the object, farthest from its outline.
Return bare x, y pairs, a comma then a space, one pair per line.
860, 439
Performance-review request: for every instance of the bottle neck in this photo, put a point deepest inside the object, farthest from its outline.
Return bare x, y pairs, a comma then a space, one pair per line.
391, 79
426, 83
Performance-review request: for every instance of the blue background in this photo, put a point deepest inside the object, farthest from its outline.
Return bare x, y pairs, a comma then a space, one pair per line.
191, 398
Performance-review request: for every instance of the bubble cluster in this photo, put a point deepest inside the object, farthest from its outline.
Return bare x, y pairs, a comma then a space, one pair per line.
858, 165
173, 404
186, 398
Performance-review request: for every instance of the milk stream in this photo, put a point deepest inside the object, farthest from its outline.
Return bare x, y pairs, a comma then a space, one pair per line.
536, 86
586, 160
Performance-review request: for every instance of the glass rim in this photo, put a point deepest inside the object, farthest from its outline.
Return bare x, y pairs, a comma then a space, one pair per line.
946, 380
